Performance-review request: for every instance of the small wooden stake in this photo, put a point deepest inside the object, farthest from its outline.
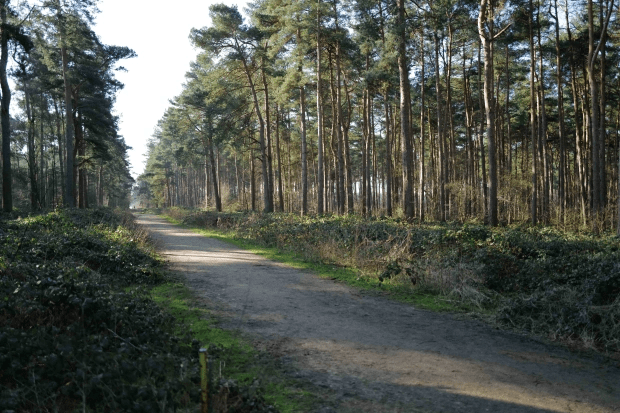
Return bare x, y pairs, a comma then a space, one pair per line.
204, 381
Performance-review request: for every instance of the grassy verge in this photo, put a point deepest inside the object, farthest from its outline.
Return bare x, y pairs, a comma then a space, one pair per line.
558, 284
234, 354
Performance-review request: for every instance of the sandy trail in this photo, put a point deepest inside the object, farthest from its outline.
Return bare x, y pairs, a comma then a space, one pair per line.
372, 354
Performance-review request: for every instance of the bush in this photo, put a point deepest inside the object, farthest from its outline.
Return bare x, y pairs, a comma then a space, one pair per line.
566, 313
77, 328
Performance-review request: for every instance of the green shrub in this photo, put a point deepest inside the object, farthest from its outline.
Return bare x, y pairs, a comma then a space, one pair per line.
78, 330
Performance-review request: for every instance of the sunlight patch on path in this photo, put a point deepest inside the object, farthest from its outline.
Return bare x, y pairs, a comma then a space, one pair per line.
450, 374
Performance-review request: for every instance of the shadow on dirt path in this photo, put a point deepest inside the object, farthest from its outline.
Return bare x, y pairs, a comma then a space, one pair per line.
372, 354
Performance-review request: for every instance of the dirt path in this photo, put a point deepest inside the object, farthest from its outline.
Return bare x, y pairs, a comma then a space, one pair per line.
372, 354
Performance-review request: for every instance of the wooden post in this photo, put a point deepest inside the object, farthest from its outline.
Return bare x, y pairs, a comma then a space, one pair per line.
204, 381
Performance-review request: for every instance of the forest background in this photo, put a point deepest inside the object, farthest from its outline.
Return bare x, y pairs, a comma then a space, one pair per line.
492, 112
495, 112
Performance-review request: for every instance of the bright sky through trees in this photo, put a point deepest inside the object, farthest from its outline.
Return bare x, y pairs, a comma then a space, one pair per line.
159, 35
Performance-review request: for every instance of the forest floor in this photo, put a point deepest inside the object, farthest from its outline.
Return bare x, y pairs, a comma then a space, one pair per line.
358, 351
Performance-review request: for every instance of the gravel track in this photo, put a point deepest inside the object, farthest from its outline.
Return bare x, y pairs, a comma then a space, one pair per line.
367, 353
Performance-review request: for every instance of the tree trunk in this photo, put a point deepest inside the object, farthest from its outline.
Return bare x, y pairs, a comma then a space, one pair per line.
348, 170
216, 186
267, 126
618, 175
369, 152
534, 205
405, 102
450, 163
561, 129
268, 136
278, 159
5, 118
338, 129
602, 112
289, 169
81, 152
422, 132
597, 139
304, 146
304, 152
263, 146
42, 186
468, 140
364, 144
343, 128
582, 194
489, 104
485, 192
388, 155
61, 157
440, 135
100, 187
69, 131
252, 180
388, 142
507, 111
542, 129
319, 115
594, 119
32, 162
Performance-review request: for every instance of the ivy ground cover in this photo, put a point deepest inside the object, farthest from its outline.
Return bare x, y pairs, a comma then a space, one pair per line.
79, 330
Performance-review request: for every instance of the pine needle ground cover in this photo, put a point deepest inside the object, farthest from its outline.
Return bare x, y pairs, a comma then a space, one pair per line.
560, 285
80, 330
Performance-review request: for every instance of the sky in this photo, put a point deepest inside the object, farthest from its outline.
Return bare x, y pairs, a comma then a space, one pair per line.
160, 37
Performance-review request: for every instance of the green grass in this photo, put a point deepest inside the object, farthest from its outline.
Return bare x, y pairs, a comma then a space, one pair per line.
241, 361
177, 299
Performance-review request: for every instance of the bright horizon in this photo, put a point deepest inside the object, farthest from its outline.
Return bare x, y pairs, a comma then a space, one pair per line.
160, 38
